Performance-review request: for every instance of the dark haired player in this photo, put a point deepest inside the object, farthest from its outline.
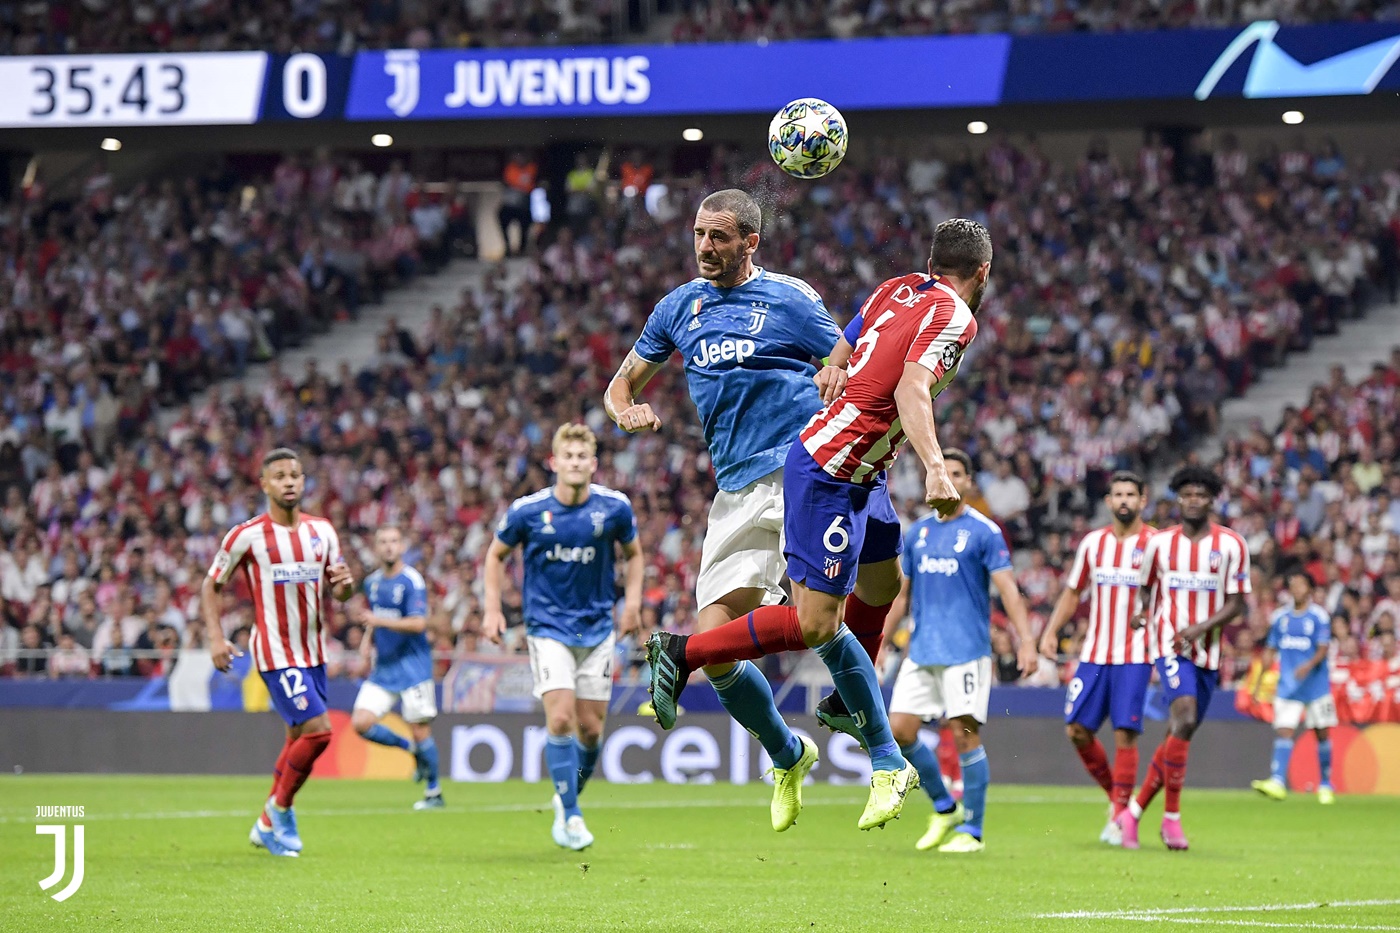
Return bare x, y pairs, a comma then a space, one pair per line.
1113, 673
290, 561
903, 349
1194, 579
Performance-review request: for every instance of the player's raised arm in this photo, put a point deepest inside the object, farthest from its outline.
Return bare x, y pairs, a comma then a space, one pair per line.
493, 621
620, 398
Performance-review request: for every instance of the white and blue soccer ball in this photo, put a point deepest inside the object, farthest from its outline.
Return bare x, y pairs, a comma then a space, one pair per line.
807, 138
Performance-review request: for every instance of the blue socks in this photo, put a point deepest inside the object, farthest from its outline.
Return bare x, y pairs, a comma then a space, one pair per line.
1324, 761
976, 776
561, 757
383, 735
1278, 765
587, 761
428, 753
854, 675
930, 778
746, 696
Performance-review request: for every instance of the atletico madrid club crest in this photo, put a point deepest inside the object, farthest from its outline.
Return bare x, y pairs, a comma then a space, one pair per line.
1214, 560
317, 546
833, 567
1137, 557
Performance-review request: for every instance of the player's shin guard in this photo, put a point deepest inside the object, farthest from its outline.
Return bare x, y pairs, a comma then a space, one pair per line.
854, 675
1151, 782
561, 757
930, 778
1324, 762
301, 757
766, 630
976, 776
748, 698
587, 761
1175, 752
1096, 763
867, 623
1278, 764
1125, 767
383, 735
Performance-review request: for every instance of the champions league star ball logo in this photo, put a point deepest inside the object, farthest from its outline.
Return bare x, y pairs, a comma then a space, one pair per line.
950, 355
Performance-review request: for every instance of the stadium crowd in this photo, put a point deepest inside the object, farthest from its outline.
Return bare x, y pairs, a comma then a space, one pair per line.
1125, 309
332, 26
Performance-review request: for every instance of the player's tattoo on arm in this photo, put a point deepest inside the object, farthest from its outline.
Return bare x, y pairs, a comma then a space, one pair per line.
631, 377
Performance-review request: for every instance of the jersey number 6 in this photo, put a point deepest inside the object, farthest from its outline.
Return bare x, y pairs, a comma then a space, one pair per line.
836, 539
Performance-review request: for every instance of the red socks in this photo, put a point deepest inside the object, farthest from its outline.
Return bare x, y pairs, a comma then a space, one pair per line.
1174, 755
1096, 763
867, 623
301, 755
766, 630
281, 766
1125, 766
1152, 781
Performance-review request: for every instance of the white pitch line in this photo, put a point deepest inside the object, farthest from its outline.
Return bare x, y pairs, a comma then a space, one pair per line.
1267, 924
1166, 911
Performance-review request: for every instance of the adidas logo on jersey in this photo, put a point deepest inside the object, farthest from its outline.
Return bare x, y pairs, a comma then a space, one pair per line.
737, 350
571, 555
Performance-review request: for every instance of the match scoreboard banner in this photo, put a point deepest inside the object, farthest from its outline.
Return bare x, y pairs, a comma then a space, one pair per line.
1260, 60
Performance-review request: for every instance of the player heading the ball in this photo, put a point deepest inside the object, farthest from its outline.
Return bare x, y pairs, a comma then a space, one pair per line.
903, 348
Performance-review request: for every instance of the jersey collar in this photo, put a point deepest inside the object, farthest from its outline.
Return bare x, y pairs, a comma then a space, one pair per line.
753, 276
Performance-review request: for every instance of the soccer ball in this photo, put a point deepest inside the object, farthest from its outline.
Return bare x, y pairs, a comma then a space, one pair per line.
807, 138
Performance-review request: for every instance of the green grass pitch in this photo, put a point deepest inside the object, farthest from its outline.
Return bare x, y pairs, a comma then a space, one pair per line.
171, 853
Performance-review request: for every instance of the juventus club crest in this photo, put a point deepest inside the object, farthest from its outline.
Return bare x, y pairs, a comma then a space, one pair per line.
758, 313
598, 519
961, 544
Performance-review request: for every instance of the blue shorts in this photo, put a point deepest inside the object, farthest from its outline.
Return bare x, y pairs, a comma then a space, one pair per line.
1182, 678
831, 526
298, 693
1117, 691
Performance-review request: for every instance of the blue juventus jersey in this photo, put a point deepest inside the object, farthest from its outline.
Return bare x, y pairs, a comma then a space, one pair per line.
950, 566
1296, 637
747, 352
569, 587
404, 660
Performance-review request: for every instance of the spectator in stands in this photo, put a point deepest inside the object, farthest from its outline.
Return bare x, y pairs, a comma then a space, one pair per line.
520, 178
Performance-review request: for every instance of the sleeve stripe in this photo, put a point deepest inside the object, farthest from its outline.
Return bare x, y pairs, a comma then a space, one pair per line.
796, 283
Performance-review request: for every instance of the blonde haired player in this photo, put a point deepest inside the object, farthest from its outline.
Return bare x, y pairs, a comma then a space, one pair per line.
567, 534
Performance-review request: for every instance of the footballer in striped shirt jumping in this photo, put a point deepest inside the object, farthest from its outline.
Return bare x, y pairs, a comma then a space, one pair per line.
903, 349
1193, 582
1113, 673
290, 560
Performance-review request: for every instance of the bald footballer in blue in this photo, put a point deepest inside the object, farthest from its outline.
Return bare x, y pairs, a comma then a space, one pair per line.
748, 338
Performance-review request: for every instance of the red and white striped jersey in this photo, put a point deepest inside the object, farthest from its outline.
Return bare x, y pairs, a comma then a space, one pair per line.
1189, 582
910, 319
286, 570
1111, 565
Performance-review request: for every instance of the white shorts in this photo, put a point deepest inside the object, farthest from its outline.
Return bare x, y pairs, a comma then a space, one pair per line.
585, 671
1319, 714
744, 543
943, 692
419, 702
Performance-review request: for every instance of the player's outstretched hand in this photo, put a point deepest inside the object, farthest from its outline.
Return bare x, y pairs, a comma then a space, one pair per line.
638, 418
940, 493
493, 626
831, 382
222, 652
1027, 658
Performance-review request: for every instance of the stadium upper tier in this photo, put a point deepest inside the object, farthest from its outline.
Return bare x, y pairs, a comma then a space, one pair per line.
330, 27
1126, 306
